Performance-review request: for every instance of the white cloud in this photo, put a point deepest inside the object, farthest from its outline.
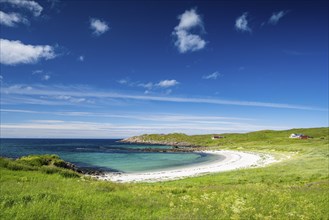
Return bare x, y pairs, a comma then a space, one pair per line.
43, 76
185, 40
214, 75
12, 19
23, 91
188, 42
70, 98
150, 85
241, 23
130, 83
123, 81
1, 79
20, 111
46, 77
78, 129
189, 19
37, 72
276, 16
47, 121
144, 116
168, 91
99, 27
32, 6
15, 52
167, 83
81, 58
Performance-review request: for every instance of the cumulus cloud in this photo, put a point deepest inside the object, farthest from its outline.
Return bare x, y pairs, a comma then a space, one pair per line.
185, 40
189, 19
12, 19
214, 75
167, 83
15, 52
99, 27
241, 23
276, 16
31, 6
189, 42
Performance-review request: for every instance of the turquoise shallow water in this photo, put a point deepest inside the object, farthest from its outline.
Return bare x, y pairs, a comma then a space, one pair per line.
107, 155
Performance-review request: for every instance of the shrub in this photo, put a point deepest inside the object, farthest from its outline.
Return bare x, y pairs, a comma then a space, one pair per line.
14, 165
39, 160
49, 164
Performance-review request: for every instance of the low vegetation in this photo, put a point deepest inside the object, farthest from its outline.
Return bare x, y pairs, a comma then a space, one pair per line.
49, 164
260, 140
296, 188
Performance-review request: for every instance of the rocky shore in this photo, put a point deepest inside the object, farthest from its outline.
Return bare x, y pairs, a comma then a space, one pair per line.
169, 150
84, 171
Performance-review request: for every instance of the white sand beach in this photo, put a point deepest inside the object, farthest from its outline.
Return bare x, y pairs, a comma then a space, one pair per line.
233, 160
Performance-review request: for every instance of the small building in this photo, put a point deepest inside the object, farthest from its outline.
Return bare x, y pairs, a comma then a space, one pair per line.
295, 135
299, 136
304, 137
215, 137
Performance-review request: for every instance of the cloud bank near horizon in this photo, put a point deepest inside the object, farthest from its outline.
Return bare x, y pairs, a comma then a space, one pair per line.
49, 92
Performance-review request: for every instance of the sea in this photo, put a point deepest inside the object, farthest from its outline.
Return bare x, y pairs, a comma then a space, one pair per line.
107, 155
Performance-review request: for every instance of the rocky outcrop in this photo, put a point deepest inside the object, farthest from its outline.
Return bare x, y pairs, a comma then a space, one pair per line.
170, 150
92, 172
178, 146
71, 166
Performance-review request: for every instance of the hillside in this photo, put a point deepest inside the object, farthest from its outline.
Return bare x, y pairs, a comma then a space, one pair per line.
258, 140
296, 188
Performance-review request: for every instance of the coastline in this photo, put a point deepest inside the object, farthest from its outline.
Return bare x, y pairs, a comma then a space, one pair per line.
233, 160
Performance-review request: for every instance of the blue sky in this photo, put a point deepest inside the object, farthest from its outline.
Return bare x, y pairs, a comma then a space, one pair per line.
113, 69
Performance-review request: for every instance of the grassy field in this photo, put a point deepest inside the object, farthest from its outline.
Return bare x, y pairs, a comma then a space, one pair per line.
296, 188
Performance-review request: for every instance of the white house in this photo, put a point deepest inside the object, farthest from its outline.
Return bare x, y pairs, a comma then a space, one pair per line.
295, 135
299, 136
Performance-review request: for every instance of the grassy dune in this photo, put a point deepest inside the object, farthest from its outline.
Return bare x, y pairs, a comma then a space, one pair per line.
296, 188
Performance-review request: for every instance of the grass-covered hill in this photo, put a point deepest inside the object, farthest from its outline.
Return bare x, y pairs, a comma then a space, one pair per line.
38, 187
266, 139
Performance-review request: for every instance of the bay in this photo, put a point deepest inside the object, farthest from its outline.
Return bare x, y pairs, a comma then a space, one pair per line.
103, 154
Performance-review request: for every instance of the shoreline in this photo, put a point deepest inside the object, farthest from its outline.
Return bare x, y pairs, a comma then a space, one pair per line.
233, 160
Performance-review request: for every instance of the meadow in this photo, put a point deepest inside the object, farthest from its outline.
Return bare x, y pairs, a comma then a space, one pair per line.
38, 187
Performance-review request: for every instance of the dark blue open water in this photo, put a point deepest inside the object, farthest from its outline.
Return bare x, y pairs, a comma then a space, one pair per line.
107, 155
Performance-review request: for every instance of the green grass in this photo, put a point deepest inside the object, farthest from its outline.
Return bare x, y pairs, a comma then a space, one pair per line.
260, 140
296, 188
49, 164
